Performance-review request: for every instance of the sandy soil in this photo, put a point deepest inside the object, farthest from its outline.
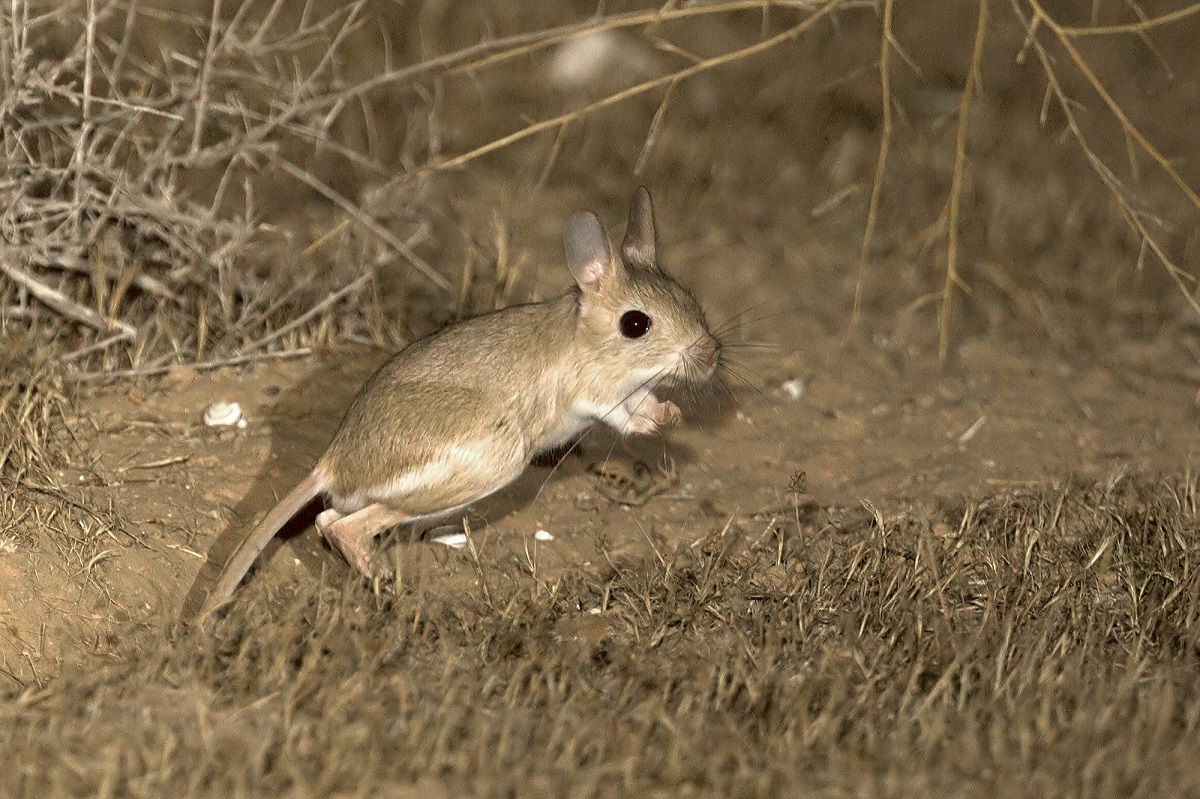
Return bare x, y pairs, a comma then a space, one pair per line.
864, 431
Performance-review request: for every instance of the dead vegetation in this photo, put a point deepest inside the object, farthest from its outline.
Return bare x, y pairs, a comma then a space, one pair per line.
1038, 641
153, 190
138, 177
216, 184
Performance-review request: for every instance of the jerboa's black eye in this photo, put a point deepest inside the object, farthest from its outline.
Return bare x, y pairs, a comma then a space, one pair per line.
634, 324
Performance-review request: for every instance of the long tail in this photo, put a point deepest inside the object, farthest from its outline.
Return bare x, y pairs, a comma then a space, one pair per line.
248, 550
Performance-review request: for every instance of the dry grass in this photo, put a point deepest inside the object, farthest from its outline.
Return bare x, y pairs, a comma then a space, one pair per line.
154, 192
33, 407
1146, 225
1041, 641
219, 184
137, 180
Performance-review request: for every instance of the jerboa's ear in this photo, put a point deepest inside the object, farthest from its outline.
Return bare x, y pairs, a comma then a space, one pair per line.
589, 255
638, 246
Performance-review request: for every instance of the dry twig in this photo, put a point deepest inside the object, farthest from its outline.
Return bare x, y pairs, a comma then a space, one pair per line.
886, 44
960, 161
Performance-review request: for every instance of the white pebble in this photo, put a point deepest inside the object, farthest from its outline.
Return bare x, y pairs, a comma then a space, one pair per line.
456, 540
223, 413
543, 535
795, 387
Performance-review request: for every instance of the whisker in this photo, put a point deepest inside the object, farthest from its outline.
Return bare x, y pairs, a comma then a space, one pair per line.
739, 321
751, 345
727, 391
735, 370
739, 369
722, 388
733, 321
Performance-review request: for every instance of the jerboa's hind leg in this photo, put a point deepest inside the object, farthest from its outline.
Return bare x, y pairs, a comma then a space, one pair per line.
448, 478
354, 533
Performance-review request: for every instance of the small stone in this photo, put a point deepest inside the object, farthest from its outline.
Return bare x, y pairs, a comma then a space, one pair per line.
795, 387
223, 413
456, 540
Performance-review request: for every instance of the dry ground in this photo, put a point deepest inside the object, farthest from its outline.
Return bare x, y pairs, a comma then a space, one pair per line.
856, 569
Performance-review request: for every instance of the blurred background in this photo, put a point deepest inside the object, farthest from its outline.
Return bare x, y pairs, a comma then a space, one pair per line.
190, 182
